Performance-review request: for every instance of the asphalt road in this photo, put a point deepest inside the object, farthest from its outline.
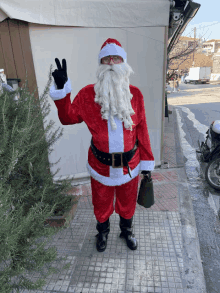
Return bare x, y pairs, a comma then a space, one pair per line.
197, 106
185, 87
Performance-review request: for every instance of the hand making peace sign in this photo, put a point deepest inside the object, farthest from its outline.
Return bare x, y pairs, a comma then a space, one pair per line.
60, 74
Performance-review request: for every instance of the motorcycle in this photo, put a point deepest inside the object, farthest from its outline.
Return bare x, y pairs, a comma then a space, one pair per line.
210, 153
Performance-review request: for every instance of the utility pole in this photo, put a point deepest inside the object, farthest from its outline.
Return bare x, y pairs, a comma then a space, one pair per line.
194, 45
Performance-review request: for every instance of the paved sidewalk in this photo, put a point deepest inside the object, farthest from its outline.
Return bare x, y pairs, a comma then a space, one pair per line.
168, 254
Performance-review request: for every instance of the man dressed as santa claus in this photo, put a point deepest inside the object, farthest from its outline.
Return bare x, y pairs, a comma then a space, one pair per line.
114, 113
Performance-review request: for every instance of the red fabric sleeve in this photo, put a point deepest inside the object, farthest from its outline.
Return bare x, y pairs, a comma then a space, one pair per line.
143, 135
69, 113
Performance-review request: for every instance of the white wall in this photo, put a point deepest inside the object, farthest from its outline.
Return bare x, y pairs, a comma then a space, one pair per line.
80, 48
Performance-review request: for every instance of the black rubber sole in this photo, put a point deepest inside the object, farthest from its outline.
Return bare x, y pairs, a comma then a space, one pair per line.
100, 250
130, 247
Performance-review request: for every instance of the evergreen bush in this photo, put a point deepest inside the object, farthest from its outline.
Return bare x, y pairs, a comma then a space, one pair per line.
28, 193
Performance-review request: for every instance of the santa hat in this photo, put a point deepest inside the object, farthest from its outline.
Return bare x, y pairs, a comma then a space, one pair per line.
112, 47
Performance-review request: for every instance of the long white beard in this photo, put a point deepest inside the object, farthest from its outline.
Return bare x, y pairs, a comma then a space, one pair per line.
113, 93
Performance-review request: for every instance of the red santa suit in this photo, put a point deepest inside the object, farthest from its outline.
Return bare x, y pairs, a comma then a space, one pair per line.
106, 179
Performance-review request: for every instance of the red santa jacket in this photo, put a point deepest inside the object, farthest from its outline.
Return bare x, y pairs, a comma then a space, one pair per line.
84, 108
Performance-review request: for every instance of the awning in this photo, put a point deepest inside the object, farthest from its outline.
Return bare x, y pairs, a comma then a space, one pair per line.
82, 13
176, 28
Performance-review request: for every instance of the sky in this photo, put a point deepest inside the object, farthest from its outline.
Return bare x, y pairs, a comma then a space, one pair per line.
206, 20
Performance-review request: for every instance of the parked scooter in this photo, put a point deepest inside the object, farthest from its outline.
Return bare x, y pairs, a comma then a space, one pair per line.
210, 153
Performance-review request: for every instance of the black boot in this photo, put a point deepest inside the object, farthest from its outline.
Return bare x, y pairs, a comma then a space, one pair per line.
102, 236
127, 228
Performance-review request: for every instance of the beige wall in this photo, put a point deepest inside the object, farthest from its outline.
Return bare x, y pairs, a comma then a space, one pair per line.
216, 63
80, 48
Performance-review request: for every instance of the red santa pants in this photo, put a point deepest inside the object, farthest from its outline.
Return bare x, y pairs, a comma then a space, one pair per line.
103, 198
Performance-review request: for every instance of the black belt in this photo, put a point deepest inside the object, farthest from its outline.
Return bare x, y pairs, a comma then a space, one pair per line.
116, 160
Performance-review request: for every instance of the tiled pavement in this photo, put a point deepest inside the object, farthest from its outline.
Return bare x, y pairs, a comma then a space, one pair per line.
167, 259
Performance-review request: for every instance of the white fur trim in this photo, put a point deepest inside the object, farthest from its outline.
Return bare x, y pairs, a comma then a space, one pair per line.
112, 181
112, 49
116, 144
56, 94
147, 165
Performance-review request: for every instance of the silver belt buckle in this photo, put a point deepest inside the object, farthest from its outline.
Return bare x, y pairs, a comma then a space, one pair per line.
113, 160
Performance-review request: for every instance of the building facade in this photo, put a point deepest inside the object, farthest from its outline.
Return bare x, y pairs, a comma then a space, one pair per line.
211, 47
